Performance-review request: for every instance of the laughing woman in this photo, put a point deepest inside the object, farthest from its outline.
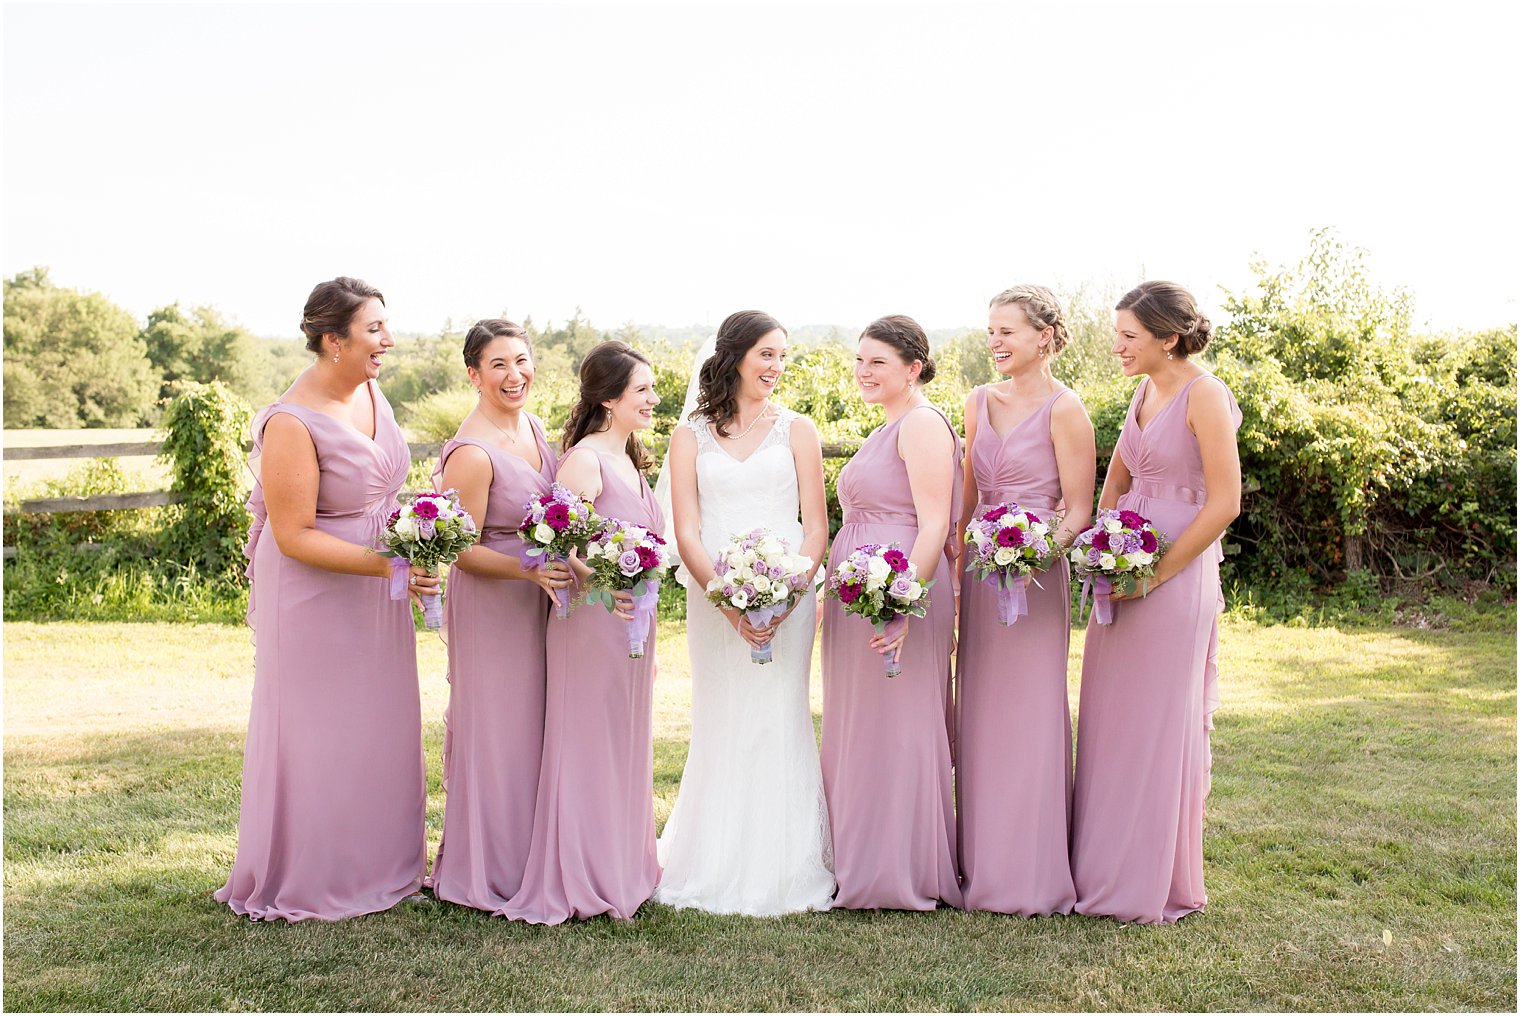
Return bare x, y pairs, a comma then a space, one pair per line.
497, 621
333, 793
1150, 679
886, 743
593, 846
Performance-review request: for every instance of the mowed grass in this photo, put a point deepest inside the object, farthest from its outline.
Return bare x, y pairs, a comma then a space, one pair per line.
1360, 854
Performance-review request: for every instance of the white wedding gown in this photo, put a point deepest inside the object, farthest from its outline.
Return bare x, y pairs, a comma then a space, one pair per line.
750, 830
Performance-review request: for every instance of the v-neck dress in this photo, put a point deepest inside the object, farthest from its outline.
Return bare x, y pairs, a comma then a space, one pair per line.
494, 725
1150, 685
886, 741
593, 846
1013, 739
332, 817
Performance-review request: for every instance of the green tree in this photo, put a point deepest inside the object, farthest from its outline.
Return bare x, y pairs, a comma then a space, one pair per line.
72, 359
201, 347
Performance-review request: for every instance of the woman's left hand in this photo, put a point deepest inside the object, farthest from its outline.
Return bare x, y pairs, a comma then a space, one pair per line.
882, 644
1140, 592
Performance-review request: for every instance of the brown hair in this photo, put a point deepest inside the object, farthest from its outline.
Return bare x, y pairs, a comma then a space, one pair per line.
1041, 308
1165, 309
604, 377
483, 333
904, 335
718, 380
331, 307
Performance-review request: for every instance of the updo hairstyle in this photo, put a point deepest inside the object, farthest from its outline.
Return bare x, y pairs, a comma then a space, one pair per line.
1041, 308
718, 380
604, 377
904, 335
483, 333
1165, 308
331, 307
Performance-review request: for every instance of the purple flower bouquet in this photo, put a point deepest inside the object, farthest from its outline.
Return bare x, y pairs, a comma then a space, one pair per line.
431, 530
1005, 546
757, 575
1118, 552
880, 585
556, 523
625, 556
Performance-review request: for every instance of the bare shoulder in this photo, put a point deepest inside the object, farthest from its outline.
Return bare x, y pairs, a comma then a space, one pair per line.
1210, 397
802, 429
1069, 408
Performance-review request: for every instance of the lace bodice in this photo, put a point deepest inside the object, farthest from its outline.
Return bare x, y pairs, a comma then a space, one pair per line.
737, 495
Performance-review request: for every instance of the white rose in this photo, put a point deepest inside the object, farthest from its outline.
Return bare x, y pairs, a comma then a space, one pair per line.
761, 584
878, 569
771, 546
1106, 562
1112, 525
543, 533
406, 527
980, 537
1004, 555
636, 534
1006, 520
739, 600
1141, 558
915, 591
1040, 528
714, 584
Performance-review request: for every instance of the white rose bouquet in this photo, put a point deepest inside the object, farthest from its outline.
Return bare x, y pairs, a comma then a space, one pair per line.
757, 575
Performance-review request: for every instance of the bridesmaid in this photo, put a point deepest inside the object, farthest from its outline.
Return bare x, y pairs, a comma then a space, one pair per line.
1149, 679
886, 742
497, 619
333, 791
1028, 439
593, 846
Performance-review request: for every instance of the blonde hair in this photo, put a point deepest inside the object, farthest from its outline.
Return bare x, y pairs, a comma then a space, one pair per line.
1041, 308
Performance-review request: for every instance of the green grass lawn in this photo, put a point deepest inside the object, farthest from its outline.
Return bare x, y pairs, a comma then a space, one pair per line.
1360, 854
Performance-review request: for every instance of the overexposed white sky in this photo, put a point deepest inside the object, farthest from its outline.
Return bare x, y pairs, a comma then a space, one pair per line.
829, 163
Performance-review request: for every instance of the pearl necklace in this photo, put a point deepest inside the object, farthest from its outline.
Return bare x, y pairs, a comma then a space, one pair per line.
764, 412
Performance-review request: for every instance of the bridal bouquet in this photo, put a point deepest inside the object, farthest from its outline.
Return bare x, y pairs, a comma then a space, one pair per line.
431, 530
755, 574
880, 584
1005, 546
625, 556
556, 523
1118, 552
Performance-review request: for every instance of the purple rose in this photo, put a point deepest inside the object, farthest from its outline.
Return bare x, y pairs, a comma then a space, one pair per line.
628, 563
749, 590
901, 587
426, 527
720, 567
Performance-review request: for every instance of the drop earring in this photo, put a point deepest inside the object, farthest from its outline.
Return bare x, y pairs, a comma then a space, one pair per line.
1169, 355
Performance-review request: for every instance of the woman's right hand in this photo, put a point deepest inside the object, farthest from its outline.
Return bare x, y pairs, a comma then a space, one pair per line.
551, 576
756, 637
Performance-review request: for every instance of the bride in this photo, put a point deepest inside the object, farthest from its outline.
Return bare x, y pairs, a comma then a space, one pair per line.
750, 831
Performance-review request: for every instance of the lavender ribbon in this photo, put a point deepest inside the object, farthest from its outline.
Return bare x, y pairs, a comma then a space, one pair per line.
759, 618
400, 572
891, 629
432, 606
534, 558
1100, 588
1012, 598
643, 613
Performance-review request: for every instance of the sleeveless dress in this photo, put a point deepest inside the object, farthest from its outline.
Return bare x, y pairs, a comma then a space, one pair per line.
1150, 685
886, 741
593, 846
1013, 733
494, 725
331, 823
749, 833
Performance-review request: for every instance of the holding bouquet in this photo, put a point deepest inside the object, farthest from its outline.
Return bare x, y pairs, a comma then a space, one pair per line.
756, 575
557, 523
1005, 546
880, 584
1119, 552
625, 556
432, 530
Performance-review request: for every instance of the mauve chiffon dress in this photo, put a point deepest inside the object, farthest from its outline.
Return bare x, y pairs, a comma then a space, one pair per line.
593, 847
886, 741
494, 725
332, 819
1150, 685
1013, 738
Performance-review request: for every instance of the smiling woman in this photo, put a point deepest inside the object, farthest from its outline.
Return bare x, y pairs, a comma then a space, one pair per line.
333, 788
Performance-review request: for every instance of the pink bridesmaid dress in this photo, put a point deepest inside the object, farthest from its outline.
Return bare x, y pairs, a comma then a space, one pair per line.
886, 741
1013, 738
333, 783
494, 725
1150, 685
593, 845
